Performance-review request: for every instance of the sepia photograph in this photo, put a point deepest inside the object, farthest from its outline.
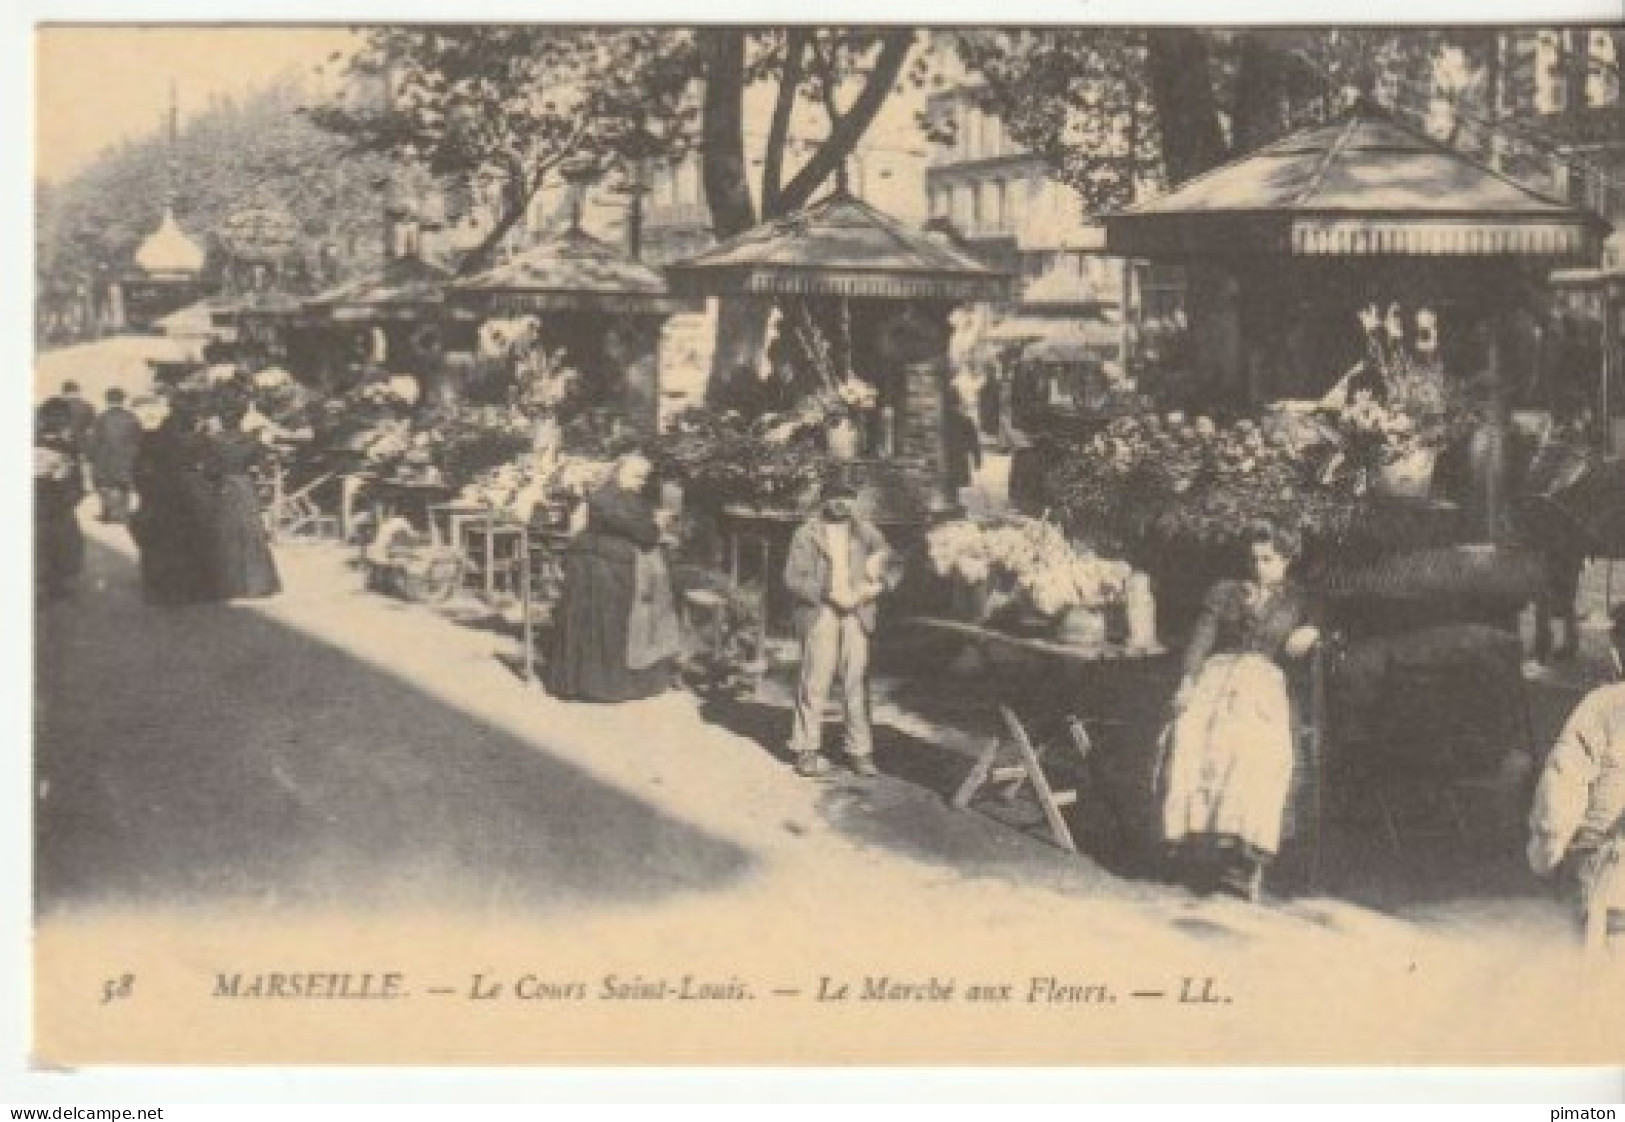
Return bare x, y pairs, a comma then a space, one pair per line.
691, 544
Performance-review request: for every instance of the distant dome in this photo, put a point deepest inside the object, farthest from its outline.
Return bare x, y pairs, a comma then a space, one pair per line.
168, 250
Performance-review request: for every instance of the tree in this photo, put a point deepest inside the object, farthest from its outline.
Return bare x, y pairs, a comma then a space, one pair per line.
509, 109
233, 154
842, 76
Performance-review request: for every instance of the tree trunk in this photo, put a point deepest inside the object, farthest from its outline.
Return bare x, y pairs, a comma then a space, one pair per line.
727, 194
722, 128
1177, 60
1260, 95
1179, 69
846, 132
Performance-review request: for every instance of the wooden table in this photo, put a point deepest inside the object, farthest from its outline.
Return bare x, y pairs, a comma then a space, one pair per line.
1015, 760
464, 520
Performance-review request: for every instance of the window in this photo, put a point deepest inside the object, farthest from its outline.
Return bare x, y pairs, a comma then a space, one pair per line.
976, 207
1001, 204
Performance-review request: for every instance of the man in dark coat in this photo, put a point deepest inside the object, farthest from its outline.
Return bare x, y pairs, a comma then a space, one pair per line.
83, 413
115, 438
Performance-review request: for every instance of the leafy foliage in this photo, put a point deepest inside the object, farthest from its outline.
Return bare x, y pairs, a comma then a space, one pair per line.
722, 458
235, 154
1099, 105
502, 110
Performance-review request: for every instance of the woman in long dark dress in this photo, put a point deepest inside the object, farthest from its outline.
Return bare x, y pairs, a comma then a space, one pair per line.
616, 630
169, 525
240, 554
59, 486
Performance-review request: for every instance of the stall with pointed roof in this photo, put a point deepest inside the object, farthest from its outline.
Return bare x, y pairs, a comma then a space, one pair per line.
1346, 242
394, 318
1308, 229
601, 309
861, 297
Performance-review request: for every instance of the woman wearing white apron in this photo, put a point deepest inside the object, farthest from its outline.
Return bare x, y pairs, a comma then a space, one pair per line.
1228, 770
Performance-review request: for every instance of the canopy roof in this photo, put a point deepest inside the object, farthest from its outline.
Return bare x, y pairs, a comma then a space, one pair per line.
1362, 186
405, 288
573, 271
841, 246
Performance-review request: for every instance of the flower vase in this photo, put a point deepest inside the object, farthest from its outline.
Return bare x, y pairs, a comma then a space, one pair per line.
1409, 476
1082, 627
844, 439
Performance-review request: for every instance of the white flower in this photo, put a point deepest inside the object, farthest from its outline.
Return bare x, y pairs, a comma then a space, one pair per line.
1394, 325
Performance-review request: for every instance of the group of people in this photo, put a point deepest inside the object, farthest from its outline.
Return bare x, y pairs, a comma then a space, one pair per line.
186, 490
616, 635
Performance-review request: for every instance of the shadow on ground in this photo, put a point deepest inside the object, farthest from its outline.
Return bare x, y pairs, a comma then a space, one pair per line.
206, 754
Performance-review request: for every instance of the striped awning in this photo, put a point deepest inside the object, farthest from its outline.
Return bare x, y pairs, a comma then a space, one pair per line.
406, 289
572, 272
1363, 186
841, 246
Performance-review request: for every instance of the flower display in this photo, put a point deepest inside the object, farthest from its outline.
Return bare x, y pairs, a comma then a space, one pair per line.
1374, 431
857, 395
773, 463
1149, 477
1031, 557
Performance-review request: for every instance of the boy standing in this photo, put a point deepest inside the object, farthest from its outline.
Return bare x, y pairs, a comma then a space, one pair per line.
838, 568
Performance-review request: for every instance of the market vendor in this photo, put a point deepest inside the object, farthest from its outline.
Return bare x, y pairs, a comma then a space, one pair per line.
1228, 768
617, 634
1577, 822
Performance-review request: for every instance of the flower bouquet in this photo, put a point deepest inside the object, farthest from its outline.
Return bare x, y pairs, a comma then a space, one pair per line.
1019, 562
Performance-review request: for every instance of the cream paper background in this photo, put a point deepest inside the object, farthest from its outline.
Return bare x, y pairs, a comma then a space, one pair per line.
1406, 1002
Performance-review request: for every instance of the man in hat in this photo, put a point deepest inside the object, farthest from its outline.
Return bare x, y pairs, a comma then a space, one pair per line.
1576, 822
838, 568
115, 437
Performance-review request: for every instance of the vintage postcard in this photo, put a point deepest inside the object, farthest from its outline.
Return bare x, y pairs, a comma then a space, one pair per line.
700, 544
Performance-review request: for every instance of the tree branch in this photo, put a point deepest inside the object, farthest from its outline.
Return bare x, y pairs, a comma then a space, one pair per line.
779, 130
844, 136
722, 132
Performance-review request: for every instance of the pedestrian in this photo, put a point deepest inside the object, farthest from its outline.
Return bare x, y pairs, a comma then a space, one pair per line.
59, 545
617, 633
171, 518
1577, 820
83, 413
241, 564
838, 568
1228, 767
115, 438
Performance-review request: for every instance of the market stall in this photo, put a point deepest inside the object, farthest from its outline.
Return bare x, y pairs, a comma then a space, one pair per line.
1367, 297
858, 309
601, 309
1337, 215
393, 319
